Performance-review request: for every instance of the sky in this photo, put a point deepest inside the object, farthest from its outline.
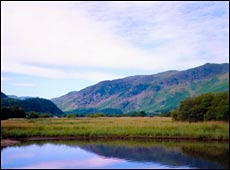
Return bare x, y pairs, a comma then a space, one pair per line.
51, 48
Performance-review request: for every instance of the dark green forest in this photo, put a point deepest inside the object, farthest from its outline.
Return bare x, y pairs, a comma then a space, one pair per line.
15, 108
209, 106
12, 112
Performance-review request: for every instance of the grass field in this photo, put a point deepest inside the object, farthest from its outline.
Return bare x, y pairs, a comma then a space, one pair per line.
121, 127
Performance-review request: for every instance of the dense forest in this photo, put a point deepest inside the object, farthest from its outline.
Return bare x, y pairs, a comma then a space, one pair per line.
210, 106
12, 112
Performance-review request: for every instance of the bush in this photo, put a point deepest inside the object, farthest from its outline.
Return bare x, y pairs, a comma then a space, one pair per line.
12, 112
96, 115
138, 114
44, 115
32, 115
71, 116
204, 107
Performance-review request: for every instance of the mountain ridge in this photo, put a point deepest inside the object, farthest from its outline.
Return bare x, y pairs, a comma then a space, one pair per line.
36, 104
151, 93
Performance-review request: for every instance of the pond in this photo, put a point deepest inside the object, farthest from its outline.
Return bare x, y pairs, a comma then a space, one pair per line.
64, 154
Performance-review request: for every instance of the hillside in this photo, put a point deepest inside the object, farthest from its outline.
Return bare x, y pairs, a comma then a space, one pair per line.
156, 93
20, 98
3, 95
32, 104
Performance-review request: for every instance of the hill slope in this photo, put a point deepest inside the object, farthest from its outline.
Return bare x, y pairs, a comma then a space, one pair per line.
160, 92
3, 95
32, 104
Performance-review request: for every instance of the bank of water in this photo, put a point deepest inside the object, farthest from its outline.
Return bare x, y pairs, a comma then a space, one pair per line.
61, 154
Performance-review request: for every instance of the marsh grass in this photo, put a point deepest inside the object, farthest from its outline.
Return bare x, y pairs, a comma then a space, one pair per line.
127, 127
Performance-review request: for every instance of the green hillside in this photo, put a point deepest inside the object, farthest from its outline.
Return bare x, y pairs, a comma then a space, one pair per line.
156, 93
31, 104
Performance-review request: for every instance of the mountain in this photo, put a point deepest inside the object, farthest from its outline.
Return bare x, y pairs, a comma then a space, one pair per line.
158, 93
3, 95
20, 98
170, 156
32, 104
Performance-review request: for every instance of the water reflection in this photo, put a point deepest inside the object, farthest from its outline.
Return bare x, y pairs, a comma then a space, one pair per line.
116, 154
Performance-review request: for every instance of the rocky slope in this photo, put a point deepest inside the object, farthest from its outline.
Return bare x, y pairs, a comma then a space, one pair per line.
156, 93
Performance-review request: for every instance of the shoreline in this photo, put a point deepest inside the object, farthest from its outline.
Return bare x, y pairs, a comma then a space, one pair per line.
138, 128
9, 142
15, 141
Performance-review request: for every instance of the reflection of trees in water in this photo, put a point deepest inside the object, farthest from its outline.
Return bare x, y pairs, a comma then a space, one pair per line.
211, 154
206, 155
166, 156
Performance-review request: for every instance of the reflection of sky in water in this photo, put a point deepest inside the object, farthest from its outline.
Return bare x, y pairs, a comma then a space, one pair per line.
60, 156
63, 156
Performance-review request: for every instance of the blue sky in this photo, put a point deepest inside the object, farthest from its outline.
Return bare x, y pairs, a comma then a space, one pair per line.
51, 48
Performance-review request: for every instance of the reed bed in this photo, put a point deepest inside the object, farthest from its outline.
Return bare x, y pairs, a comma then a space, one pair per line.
114, 127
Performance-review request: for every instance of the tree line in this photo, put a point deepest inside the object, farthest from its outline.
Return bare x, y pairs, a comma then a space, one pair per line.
18, 112
38, 105
209, 106
101, 114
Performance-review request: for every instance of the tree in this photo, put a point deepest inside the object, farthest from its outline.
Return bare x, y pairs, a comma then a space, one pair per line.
31, 115
71, 116
12, 112
44, 115
138, 114
208, 106
96, 115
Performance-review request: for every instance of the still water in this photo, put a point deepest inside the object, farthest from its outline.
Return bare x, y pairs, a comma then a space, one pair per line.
116, 154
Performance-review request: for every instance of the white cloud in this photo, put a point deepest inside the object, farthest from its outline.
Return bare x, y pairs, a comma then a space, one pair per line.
57, 73
142, 36
47, 34
177, 33
23, 84
12, 82
92, 162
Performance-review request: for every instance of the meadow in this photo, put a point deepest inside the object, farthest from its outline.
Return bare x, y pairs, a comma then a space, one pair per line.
114, 127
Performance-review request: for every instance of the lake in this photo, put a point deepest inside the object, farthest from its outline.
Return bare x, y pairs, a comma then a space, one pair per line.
64, 154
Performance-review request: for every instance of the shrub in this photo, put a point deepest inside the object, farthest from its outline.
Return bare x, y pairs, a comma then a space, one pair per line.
12, 112
31, 115
71, 115
44, 115
204, 107
96, 115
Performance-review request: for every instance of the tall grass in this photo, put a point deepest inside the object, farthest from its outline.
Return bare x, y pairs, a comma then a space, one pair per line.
126, 127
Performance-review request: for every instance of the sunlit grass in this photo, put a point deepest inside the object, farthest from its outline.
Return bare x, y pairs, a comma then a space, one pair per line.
113, 127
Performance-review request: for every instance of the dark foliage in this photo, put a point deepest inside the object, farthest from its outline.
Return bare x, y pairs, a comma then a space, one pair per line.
137, 114
71, 115
85, 111
96, 115
3, 95
204, 107
44, 115
33, 104
12, 112
32, 115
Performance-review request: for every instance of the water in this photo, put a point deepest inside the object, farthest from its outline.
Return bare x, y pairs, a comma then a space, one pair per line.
116, 154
